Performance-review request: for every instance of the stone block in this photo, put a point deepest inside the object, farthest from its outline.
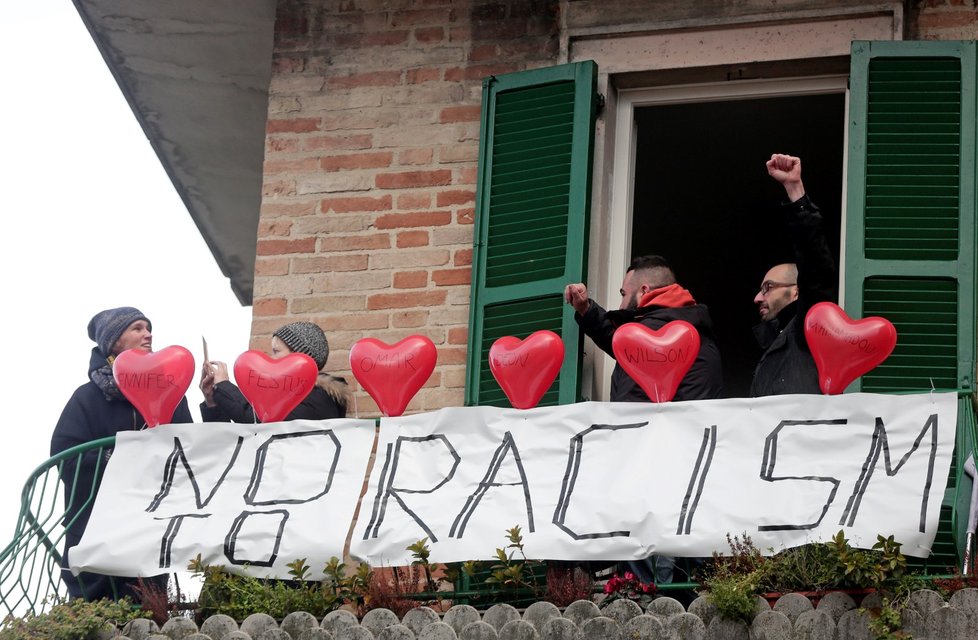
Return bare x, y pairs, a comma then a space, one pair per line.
685, 626
665, 607
836, 603
538, 613
518, 630
478, 631
142, 628
726, 629
771, 625
793, 605
924, 601
179, 628
256, 623
273, 634
966, 600
854, 625
601, 628
913, 623
561, 629
704, 609
337, 620
949, 623
315, 634
437, 631
814, 625
461, 615
418, 618
297, 622
621, 611
643, 627
376, 620
580, 611
217, 626
354, 633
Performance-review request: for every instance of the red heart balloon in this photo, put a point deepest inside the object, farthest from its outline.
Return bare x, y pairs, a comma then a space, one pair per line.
657, 360
154, 382
843, 348
525, 369
392, 374
274, 386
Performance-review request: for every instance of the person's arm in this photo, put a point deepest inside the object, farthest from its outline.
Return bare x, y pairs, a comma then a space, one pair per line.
232, 403
78, 473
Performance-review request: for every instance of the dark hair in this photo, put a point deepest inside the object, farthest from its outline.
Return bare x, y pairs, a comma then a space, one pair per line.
654, 267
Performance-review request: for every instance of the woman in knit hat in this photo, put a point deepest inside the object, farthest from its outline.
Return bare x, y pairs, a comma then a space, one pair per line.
97, 410
328, 398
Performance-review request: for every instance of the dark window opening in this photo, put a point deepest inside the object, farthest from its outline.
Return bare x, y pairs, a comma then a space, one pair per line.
703, 200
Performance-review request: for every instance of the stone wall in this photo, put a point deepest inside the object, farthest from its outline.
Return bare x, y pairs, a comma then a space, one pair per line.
927, 617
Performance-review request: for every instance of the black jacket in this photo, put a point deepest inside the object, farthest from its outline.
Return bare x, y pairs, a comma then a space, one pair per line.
787, 365
88, 416
703, 381
327, 399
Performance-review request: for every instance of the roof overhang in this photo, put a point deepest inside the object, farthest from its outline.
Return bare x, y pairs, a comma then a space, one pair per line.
196, 75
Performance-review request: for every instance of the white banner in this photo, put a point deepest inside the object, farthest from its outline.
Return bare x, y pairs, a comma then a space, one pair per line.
590, 481
250, 497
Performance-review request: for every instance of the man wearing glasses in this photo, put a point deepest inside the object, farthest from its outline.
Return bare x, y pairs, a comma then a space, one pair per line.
789, 290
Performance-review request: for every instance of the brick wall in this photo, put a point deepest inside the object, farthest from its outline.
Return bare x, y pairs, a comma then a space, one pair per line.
944, 20
370, 169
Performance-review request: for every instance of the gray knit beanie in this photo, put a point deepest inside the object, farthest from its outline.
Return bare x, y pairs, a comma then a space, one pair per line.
307, 338
108, 326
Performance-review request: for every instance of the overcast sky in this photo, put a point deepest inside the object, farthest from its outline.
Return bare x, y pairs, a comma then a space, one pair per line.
90, 221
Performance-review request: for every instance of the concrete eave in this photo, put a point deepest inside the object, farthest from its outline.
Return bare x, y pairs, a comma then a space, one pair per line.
196, 75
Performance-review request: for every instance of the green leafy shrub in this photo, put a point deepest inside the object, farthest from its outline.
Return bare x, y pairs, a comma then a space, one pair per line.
70, 620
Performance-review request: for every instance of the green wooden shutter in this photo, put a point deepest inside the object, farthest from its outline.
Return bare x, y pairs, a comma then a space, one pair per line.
531, 226
910, 218
910, 233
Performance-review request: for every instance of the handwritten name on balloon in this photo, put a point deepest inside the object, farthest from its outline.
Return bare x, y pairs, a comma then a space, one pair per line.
576, 478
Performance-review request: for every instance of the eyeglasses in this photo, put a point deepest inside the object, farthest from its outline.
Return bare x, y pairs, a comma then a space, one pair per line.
767, 285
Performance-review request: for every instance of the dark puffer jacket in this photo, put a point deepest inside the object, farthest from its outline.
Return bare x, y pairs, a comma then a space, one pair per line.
787, 365
703, 381
328, 398
88, 416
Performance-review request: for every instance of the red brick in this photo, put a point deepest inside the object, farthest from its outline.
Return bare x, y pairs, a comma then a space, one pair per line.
278, 247
325, 264
429, 35
448, 198
278, 188
421, 16
407, 239
418, 76
458, 335
368, 79
274, 227
467, 113
379, 39
361, 203
292, 125
354, 243
271, 209
409, 319
463, 257
353, 322
483, 52
478, 71
416, 156
330, 143
413, 179
419, 219
466, 216
406, 300
269, 307
271, 266
410, 279
273, 167
357, 161
447, 277
451, 355
468, 175
284, 145
945, 19
420, 200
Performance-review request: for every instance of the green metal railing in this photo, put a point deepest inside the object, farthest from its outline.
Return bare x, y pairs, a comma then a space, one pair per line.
30, 566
